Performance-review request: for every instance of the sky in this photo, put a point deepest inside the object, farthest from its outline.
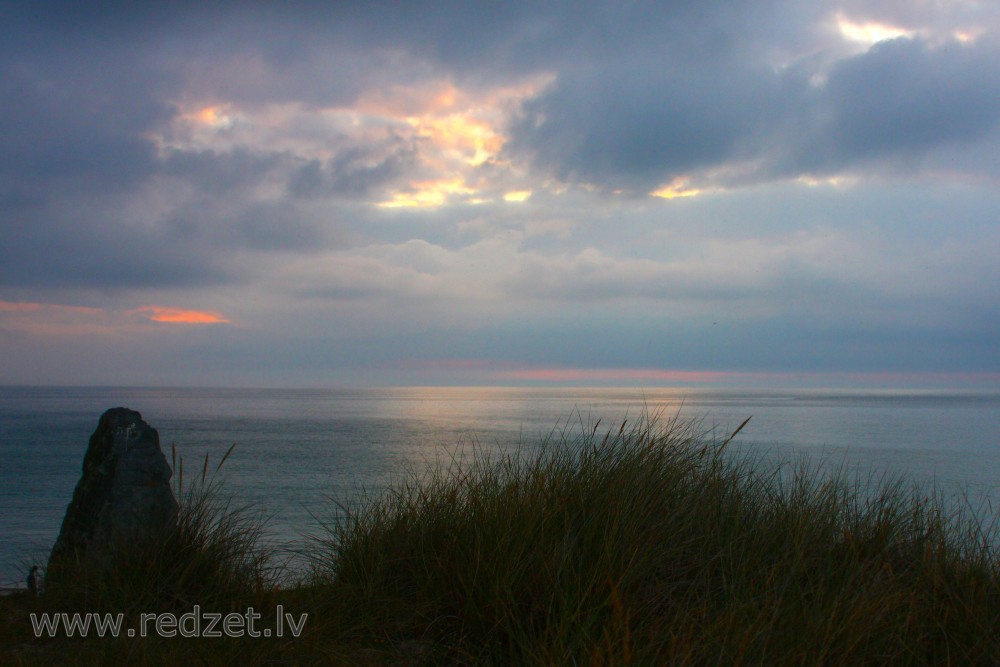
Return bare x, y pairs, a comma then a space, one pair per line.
604, 193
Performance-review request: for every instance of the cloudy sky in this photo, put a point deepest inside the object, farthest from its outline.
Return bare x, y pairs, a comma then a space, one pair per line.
591, 192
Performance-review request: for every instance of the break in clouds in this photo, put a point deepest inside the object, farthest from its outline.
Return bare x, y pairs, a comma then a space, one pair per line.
364, 192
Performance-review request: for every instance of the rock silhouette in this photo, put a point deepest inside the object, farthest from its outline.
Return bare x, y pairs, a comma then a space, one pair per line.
123, 495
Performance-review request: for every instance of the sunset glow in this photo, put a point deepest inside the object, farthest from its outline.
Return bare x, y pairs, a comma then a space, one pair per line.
215, 117
517, 196
460, 137
869, 32
612, 375
679, 187
429, 194
179, 316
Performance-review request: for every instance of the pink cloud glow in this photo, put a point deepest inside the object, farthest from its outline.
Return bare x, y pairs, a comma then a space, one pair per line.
631, 375
489, 371
179, 316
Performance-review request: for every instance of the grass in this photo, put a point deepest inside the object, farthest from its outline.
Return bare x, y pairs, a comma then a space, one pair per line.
647, 544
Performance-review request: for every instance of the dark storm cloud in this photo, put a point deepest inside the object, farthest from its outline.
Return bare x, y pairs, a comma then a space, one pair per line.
75, 111
190, 221
81, 249
903, 98
635, 124
496, 39
70, 117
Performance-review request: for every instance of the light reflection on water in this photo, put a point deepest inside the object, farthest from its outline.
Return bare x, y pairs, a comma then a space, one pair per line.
297, 448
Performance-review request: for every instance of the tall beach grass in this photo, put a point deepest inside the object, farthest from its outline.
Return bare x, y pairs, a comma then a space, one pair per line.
650, 543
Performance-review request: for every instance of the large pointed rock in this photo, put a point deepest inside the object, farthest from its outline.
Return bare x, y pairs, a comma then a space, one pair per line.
124, 494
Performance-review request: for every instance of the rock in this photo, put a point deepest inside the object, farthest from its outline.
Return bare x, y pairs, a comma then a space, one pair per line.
124, 493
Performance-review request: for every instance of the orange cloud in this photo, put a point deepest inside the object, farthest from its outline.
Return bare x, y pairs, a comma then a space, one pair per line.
459, 130
179, 316
49, 319
211, 116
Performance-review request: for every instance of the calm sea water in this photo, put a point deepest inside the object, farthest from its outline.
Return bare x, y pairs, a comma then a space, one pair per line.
298, 449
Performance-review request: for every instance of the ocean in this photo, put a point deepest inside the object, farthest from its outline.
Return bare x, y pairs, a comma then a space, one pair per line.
299, 451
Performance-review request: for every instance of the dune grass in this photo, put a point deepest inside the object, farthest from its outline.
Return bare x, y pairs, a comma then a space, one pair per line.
650, 543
